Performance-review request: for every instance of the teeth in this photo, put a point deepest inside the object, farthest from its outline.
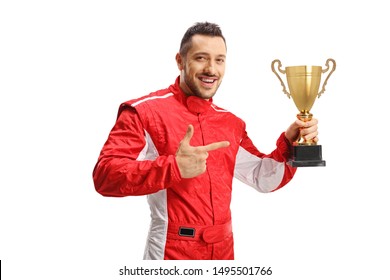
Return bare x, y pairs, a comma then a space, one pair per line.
208, 80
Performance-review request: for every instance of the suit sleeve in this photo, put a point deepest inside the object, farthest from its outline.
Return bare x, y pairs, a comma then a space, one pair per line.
129, 163
264, 172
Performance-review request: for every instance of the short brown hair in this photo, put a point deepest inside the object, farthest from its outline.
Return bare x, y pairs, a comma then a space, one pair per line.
201, 28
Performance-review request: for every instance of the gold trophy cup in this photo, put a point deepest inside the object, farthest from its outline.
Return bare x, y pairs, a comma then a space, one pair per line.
303, 83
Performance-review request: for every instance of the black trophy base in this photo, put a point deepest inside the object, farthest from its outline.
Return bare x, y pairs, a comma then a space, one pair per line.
305, 156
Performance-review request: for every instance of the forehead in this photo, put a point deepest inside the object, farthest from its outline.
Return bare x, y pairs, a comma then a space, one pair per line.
208, 44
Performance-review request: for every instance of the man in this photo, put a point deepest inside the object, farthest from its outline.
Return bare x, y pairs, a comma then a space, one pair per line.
179, 148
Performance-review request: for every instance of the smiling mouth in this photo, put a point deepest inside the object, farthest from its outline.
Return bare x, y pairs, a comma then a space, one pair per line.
207, 80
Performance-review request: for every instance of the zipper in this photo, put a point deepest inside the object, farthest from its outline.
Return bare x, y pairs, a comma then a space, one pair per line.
207, 169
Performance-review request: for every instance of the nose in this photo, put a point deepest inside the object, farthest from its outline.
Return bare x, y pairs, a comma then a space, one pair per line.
210, 67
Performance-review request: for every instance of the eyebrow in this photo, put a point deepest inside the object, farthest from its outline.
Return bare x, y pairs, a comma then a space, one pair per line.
206, 53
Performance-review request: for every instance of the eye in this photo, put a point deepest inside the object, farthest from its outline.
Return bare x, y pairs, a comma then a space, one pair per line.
200, 58
220, 60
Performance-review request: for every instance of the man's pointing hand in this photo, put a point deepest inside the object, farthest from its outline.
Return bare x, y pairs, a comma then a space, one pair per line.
192, 160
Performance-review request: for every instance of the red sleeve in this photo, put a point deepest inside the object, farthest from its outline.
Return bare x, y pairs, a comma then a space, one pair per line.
122, 170
282, 153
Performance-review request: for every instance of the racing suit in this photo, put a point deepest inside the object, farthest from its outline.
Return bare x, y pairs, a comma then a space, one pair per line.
190, 218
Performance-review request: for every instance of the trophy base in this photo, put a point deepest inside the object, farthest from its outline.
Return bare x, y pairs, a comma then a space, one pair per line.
306, 156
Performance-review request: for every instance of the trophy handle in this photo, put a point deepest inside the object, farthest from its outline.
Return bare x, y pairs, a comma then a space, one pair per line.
277, 75
330, 73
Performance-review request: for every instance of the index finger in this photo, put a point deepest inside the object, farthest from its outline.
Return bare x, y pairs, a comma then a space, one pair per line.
216, 145
302, 124
312, 122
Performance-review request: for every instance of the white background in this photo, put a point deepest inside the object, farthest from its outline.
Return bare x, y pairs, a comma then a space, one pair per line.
65, 66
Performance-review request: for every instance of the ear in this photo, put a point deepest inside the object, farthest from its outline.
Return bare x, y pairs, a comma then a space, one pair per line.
179, 61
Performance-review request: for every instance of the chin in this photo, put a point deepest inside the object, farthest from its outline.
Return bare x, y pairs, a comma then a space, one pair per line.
206, 96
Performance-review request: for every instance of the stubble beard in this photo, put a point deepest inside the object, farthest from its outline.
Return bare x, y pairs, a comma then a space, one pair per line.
196, 91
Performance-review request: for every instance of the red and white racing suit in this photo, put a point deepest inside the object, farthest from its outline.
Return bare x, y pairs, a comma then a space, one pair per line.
190, 218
